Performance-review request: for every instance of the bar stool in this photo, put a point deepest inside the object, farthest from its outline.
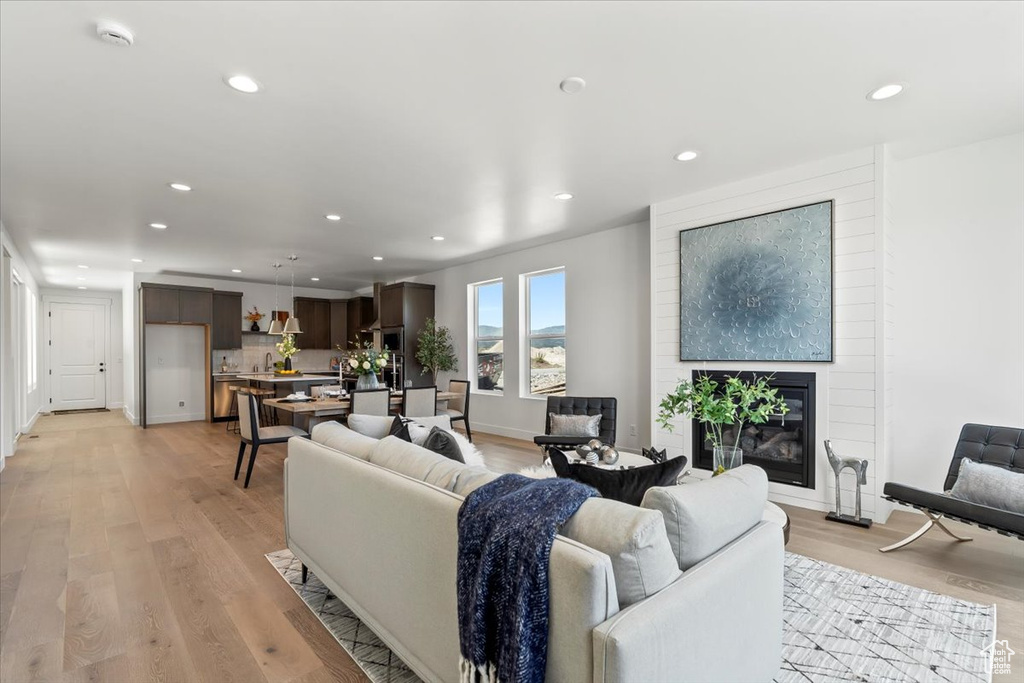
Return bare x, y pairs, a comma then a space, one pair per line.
268, 414
232, 423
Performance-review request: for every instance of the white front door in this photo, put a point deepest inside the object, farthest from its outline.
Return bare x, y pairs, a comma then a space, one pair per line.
78, 363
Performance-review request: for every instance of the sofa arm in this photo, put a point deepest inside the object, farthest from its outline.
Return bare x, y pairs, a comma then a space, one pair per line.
720, 621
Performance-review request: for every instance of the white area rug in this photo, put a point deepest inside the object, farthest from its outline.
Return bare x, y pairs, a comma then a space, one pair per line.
840, 625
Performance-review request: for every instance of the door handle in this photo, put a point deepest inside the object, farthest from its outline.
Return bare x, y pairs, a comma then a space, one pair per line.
101, 365
102, 370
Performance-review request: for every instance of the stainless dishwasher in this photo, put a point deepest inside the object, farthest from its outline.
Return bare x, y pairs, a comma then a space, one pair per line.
223, 396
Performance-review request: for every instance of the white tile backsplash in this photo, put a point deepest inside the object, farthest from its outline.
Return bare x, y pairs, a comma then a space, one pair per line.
254, 353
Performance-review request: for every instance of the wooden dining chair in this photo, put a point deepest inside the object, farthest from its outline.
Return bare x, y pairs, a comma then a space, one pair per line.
458, 408
419, 401
371, 402
255, 435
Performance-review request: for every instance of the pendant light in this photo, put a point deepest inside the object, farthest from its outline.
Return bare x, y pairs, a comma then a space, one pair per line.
291, 326
276, 328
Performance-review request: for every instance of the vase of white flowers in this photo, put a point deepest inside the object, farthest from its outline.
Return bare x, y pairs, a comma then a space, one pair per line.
286, 348
366, 362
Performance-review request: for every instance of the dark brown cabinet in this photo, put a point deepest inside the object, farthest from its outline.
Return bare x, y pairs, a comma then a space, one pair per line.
407, 305
360, 317
391, 306
315, 319
195, 306
226, 331
339, 324
160, 305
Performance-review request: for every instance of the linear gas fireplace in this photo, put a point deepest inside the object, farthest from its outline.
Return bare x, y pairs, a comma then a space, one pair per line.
784, 446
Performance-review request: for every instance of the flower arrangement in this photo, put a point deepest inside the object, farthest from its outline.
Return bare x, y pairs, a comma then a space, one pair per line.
254, 316
735, 402
286, 347
368, 360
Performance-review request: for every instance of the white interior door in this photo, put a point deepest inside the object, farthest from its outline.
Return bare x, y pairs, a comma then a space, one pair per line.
78, 347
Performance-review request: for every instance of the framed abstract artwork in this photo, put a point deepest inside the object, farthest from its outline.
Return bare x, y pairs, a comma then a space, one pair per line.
758, 288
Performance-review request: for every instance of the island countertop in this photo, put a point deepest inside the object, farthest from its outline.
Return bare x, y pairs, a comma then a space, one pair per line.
285, 379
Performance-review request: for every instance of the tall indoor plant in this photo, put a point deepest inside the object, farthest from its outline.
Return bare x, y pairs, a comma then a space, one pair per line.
436, 351
734, 402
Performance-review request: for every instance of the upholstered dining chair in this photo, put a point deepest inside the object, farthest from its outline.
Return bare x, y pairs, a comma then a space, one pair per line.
255, 435
371, 402
458, 408
578, 405
419, 401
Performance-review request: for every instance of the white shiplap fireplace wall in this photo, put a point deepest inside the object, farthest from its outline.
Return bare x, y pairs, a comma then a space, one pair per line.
854, 393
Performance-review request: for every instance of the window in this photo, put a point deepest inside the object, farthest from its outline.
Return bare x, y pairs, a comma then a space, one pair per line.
488, 335
545, 325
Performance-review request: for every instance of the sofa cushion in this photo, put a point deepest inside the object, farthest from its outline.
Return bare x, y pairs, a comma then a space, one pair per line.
341, 438
472, 478
703, 517
441, 442
634, 539
416, 462
375, 426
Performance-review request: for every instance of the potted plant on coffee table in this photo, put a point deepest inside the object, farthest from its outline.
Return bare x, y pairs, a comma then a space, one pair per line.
733, 402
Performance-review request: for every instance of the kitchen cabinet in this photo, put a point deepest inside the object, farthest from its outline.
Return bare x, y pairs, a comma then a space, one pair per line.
160, 305
226, 332
407, 305
360, 317
339, 323
315, 319
195, 307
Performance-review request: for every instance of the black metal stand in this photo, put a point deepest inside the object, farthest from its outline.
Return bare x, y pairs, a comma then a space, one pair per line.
863, 522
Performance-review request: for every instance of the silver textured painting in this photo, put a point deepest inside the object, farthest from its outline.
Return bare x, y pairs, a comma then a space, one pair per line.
758, 288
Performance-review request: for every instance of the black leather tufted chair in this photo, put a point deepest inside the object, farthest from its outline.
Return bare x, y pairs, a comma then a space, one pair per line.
576, 405
995, 446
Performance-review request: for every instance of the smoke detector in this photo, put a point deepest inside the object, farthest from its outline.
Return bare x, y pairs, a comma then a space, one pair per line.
115, 34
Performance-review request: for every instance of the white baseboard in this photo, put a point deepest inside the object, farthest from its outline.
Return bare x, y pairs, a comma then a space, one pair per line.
130, 416
31, 422
165, 419
510, 432
116, 405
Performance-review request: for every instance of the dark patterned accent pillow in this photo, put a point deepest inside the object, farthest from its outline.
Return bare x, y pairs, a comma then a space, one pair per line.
653, 454
442, 443
627, 486
400, 429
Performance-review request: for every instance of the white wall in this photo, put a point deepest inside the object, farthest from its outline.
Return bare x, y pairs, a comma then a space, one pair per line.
13, 387
173, 374
115, 340
607, 323
960, 338
850, 392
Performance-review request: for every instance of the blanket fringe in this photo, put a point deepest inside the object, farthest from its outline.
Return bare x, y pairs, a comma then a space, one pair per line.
472, 673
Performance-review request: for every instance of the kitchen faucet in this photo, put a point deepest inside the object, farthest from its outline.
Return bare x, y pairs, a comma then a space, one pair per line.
267, 362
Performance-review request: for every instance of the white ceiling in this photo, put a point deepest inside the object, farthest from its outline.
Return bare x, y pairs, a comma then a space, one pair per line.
423, 118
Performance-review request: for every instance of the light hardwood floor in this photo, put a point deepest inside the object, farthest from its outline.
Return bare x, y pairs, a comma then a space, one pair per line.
132, 555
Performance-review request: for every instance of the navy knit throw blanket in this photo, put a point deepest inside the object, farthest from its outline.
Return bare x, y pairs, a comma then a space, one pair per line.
506, 530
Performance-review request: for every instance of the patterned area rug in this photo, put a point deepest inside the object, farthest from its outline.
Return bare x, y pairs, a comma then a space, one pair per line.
840, 625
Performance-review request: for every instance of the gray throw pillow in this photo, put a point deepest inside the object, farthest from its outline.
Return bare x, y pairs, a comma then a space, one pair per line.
442, 443
989, 485
574, 425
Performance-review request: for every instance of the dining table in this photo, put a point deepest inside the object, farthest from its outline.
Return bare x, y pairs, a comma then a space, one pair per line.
307, 414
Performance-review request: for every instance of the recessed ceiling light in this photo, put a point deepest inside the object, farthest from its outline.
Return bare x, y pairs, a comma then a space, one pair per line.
243, 84
84, 267
81, 287
180, 187
688, 155
886, 91
158, 226
563, 196
315, 279
136, 260
333, 217
378, 258
437, 238
81, 278
235, 270
572, 85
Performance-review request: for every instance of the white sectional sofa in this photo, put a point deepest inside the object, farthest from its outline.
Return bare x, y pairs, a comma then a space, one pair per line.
376, 522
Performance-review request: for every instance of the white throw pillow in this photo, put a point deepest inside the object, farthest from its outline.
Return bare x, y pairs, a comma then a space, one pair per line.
990, 485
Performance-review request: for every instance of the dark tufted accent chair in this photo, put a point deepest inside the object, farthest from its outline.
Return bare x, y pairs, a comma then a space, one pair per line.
995, 446
576, 405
